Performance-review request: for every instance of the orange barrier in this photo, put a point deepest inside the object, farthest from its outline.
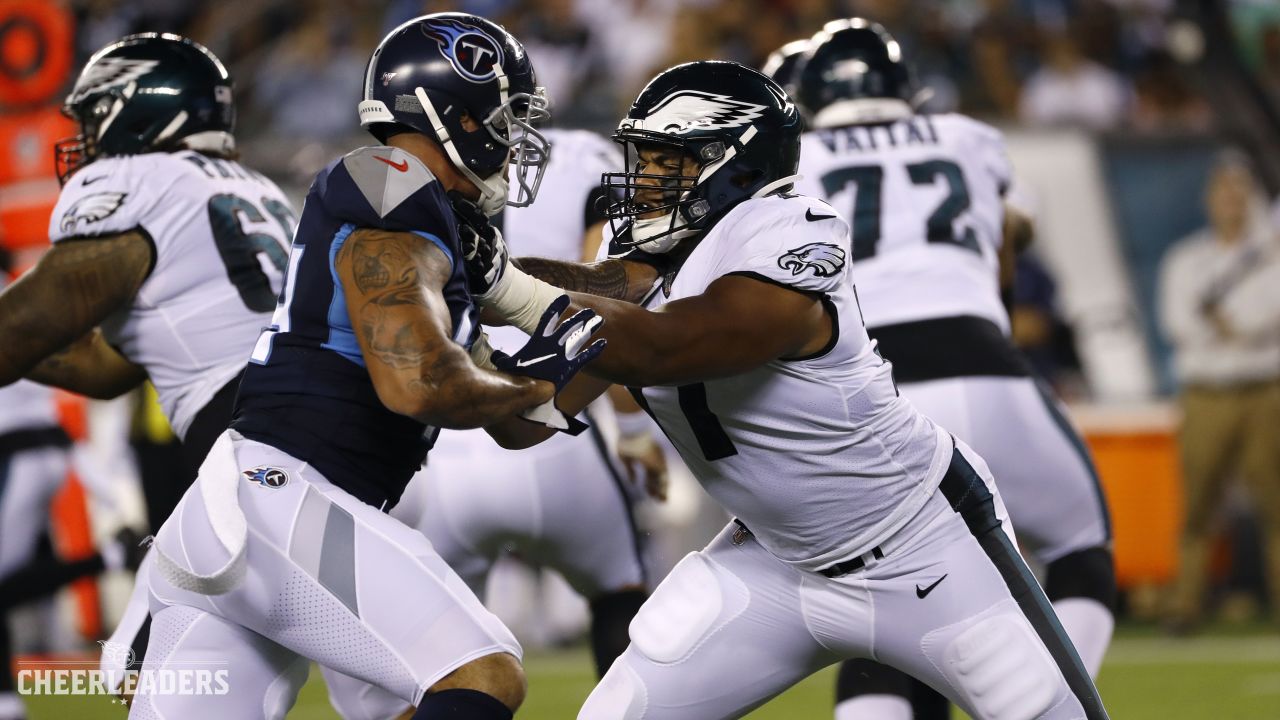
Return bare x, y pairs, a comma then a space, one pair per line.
1136, 452
73, 539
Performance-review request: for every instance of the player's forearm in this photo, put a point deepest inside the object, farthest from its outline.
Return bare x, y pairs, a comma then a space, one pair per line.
89, 367
614, 279
453, 393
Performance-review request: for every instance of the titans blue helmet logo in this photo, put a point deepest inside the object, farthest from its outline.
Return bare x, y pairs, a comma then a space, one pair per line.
472, 53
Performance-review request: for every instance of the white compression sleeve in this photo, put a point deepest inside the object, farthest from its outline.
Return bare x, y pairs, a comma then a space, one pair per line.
520, 298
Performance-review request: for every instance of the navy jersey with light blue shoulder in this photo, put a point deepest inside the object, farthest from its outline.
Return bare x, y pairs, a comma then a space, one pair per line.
307, 390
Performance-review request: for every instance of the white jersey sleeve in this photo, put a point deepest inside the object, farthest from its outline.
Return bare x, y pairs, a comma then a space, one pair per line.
109, 197
796, 241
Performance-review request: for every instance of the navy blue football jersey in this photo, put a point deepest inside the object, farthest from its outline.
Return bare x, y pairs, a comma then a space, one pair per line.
307, 390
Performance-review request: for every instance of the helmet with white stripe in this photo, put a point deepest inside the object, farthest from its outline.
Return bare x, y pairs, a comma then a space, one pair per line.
150, 92
737, 132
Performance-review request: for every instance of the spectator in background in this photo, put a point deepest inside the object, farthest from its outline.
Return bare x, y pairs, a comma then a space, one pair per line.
1072, 90
1221, 312
1164, 100
311, 80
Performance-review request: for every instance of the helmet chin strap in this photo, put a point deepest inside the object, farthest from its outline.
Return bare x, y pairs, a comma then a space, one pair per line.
493, 190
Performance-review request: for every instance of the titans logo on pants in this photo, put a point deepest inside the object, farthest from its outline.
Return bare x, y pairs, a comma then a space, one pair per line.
267, 476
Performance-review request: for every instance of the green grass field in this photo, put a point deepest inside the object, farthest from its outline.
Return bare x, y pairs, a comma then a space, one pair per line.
1220, 677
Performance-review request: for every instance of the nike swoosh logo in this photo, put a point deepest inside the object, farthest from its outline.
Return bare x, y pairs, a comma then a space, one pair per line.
402, 166
90, 181
527, 363
808, 214
922, 592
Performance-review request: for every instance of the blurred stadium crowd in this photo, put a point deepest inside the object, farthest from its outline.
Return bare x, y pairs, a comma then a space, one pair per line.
1158, 87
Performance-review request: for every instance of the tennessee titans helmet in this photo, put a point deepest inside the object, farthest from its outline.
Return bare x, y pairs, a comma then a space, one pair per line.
738, 126
853, 74
150, 92
430, 73
781, 65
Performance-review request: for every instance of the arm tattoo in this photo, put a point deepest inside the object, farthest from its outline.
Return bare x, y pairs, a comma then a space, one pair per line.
389, 270
608, 278
75, 286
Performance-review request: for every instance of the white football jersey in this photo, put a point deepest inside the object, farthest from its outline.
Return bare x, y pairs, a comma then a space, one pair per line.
221, 234
924, 195
819, 456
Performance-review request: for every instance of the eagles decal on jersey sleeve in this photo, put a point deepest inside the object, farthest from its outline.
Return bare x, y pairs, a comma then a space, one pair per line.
797, 242
105, 198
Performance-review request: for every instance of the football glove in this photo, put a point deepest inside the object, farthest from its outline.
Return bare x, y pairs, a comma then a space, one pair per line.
484, 252
556, 351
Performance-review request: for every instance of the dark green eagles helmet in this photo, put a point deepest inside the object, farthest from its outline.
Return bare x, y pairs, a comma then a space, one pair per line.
150, 92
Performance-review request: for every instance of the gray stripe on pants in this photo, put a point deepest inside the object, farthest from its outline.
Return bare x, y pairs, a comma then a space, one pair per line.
338, 557
308, 531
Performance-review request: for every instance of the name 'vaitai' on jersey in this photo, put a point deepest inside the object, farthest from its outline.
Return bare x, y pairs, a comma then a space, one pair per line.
307, 389
924, 197
221, 237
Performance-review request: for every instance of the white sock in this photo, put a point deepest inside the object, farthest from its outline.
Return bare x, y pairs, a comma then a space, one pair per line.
874, 707
1089, 624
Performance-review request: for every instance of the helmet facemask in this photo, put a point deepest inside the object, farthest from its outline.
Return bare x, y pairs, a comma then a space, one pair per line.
513, 125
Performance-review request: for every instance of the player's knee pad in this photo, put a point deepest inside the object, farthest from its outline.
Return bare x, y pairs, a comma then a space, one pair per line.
1000, 668
1083, 574
697, 598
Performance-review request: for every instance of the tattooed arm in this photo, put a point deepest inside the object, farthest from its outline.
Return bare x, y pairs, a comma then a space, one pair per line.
76, 285
616, 279
393, 283
91, 367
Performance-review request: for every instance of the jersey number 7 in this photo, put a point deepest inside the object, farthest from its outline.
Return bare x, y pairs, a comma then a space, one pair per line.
940, 227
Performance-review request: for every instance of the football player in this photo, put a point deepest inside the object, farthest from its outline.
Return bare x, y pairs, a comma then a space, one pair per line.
167, 256
34, 461
863, 529
281, 552
925, 194
563, 504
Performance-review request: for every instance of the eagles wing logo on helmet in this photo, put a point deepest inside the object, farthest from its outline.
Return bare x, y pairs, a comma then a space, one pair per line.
825, 259
108, 73
91, 209
472, 53
690, 110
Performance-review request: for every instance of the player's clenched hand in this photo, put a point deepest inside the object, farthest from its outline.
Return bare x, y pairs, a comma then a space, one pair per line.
556, 351
484, 252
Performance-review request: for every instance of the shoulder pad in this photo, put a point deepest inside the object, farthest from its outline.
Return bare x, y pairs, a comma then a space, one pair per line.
386, 176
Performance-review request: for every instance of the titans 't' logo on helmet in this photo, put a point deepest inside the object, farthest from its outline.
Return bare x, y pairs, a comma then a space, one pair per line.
472, 54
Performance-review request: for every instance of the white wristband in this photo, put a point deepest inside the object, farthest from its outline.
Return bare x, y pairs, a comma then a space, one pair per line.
520, 298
